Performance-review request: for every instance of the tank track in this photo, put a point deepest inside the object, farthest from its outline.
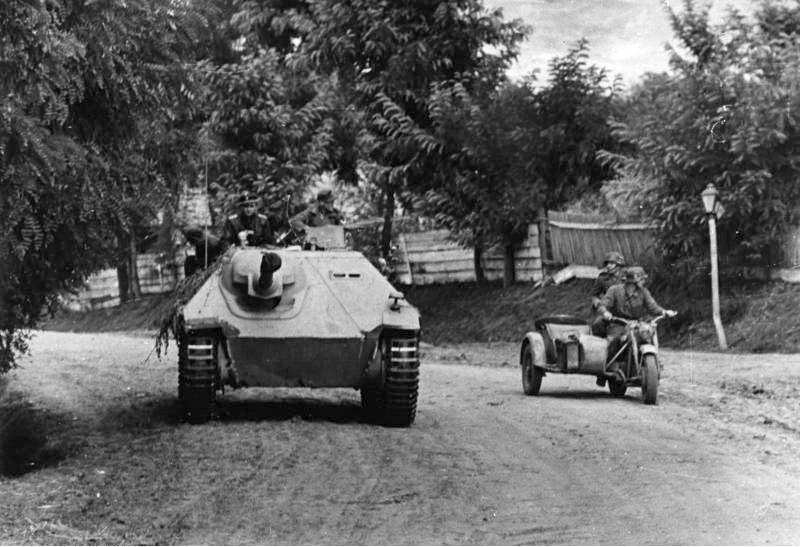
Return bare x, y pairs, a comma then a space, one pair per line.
401, 387
197, 376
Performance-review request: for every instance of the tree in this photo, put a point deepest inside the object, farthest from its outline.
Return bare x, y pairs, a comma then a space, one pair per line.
77, 77
389, 57
520, 150
480, 192
727, 114
269, 117
571, 118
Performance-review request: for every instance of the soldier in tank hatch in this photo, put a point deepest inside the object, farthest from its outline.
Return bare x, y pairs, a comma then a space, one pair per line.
321, 213
249, 224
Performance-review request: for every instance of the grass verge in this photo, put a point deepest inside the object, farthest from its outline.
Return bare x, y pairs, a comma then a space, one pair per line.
757, 317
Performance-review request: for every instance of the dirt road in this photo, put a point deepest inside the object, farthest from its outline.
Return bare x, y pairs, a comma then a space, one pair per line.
714, 463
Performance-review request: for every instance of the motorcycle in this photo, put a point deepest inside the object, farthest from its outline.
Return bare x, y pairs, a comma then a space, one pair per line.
564, 344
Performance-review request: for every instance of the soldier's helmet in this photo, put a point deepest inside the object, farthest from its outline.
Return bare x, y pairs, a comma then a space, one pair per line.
325, 195
614, 258
635, 274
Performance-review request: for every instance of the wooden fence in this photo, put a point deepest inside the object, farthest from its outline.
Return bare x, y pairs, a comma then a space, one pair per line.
791, 248
102, 288
430, 257
585, 239
423, 258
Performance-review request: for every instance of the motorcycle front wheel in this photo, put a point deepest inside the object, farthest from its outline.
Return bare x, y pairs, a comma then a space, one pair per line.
649, 380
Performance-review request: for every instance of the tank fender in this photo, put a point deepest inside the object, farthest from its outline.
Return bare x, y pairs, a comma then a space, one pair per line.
228, 330
403, 317
535, 340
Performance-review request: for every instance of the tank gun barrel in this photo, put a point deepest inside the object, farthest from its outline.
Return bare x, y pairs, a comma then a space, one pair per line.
270, 263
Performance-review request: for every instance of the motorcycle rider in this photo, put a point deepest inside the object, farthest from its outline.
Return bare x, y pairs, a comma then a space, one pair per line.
249, 223
629, 300
611, 273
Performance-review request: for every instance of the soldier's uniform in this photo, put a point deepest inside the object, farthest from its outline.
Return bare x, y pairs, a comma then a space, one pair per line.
605, 281
258, 224
611, 274
630, 302
322, 213
315, 216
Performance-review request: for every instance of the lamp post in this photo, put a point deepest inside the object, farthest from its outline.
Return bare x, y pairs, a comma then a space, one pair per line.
714, 209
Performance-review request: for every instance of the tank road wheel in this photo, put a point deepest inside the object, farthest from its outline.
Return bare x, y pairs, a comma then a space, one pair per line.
197, 376
649, 380
397, 401
531, 375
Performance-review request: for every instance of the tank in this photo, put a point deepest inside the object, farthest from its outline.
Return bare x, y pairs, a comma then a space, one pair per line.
299, 318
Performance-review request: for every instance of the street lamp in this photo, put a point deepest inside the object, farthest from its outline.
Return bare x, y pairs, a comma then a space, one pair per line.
713, 210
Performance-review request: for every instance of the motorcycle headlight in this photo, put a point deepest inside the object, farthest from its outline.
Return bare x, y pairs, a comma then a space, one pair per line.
645, 331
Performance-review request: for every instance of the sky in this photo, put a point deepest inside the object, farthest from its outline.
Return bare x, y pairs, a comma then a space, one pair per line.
627, 37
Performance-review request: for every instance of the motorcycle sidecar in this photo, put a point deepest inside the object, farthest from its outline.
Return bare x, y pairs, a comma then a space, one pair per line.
561, 344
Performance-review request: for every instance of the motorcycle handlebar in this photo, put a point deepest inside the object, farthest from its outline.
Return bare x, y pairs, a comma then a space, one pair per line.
626, 321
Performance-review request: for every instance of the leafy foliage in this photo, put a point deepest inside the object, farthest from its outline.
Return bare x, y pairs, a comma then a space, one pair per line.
571, 117
269, 117
78, 78
728, 115
391, 59
520, 149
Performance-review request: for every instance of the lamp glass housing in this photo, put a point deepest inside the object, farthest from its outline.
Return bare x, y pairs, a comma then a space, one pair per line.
709, 196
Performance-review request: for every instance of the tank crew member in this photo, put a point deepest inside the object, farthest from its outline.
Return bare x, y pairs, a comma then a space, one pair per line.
611, 273
201, 241
322, 213
249, 223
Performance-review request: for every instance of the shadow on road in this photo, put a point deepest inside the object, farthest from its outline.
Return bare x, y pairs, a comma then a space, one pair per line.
288, 408
27, 439
156, 412
587, 394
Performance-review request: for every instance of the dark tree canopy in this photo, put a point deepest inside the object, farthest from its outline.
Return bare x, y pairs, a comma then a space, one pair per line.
728, 115
78, 81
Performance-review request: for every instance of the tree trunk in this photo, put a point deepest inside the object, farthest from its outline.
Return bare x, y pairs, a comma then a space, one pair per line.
544, 231
123, 283
133, 270
477, 260
509, 270
388, 215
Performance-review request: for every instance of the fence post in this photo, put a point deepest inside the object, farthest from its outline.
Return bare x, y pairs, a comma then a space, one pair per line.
543, 231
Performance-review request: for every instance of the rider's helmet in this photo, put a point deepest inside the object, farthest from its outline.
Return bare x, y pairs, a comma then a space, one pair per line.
635, 274
614, 258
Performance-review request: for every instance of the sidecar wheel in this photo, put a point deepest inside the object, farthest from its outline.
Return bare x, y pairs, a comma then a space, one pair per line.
531, 375
649, 380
